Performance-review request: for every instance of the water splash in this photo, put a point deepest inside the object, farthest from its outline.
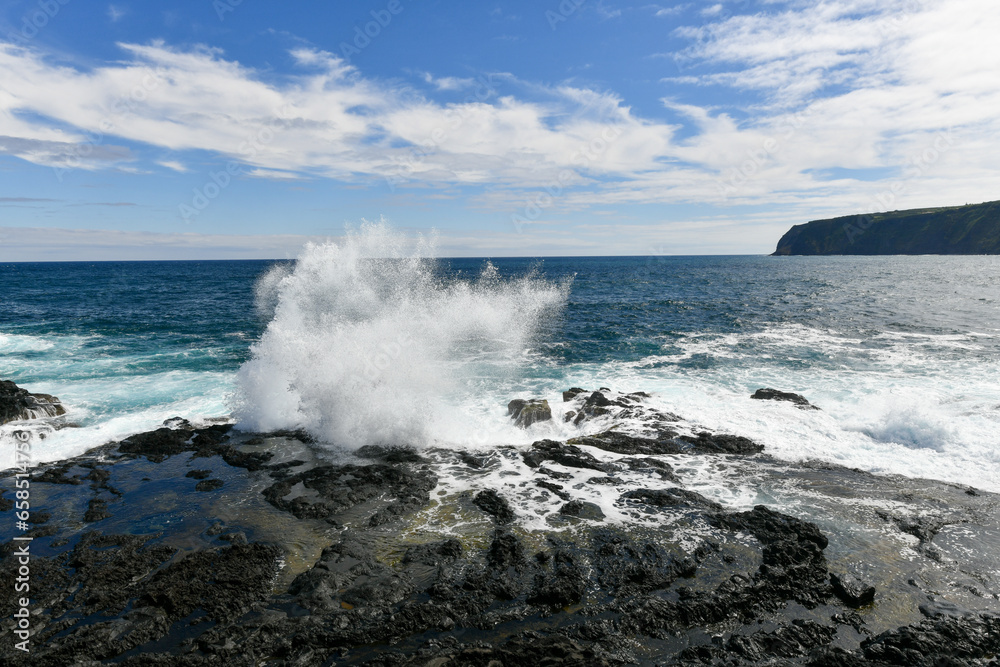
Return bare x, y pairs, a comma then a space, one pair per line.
371, 344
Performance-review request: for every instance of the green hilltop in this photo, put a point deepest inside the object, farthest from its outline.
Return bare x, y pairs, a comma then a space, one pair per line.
973, 229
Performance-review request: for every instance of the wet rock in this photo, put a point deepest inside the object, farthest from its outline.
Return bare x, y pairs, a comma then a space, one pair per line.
341, 488
215, 529
596, 405
555, 474
924, 528
99, 480
17, 403
606, 481
557, 489
347, 565
237, 538
660, 468
162, 443
479, 460
939, 607
225, 582
394, 454
159, 444
208, 485
97, 509
854, 591
673, 497
582, 509
716, 443
530, 648
946, 640
528, 412
568, 455
776, 395
100, 573
198, 474
572, 393
178, 422
57, 474
564, 585
434, 553
39, 518
796, 639
495, 505
627, 564
695, 585
621, 443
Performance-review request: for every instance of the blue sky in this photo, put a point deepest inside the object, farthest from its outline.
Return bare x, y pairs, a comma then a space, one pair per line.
238, 128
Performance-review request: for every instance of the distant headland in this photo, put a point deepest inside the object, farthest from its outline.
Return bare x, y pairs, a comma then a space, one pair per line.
973, 229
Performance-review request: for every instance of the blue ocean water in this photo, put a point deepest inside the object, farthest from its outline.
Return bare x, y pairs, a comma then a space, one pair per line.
901, 353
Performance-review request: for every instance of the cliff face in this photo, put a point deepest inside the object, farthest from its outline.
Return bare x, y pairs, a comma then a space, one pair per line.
957, 230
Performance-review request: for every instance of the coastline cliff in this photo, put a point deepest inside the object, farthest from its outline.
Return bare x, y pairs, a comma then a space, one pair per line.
956, 230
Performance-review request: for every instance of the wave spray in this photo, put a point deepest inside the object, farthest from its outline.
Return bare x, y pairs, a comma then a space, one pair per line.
370, 343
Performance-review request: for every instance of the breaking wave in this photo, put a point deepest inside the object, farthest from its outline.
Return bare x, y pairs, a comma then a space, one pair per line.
371, 342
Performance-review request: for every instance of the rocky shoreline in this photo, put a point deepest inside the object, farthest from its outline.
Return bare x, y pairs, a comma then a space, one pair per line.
208, 546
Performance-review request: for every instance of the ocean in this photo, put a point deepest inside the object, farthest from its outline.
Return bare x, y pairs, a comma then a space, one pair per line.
375, 342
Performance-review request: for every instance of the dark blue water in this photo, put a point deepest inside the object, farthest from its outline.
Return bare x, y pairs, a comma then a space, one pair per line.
902, 352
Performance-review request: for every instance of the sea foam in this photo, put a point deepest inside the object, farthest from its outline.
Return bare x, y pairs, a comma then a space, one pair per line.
370, 342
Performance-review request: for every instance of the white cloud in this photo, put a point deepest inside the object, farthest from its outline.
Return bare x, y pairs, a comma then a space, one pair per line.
173, 164
274, 174
52, 244
844, 84
669, 11
448, 82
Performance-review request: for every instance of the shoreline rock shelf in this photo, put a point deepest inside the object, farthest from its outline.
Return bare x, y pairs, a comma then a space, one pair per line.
294, 559
17, 404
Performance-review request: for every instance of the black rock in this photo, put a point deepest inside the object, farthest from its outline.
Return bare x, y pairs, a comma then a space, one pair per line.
527, 412
557, 489
776, 395
225, 582
583, 510
341, 488
238, 538
564, 454
924, 528
852, 590
496, 505
656, 466
570, 394
178, 422
159, 444
198, 474
394, 454
621, 443
606, 481
479, 459
17, 404
434, 553
672, 497
564, 585
97, 509
945, 640
208, 485
716, 443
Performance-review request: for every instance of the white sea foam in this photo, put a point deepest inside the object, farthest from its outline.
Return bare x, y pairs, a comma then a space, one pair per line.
895, 408
12, 344
105, 409
370, 344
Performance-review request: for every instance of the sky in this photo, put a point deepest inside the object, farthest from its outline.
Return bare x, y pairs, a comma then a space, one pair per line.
243, 129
